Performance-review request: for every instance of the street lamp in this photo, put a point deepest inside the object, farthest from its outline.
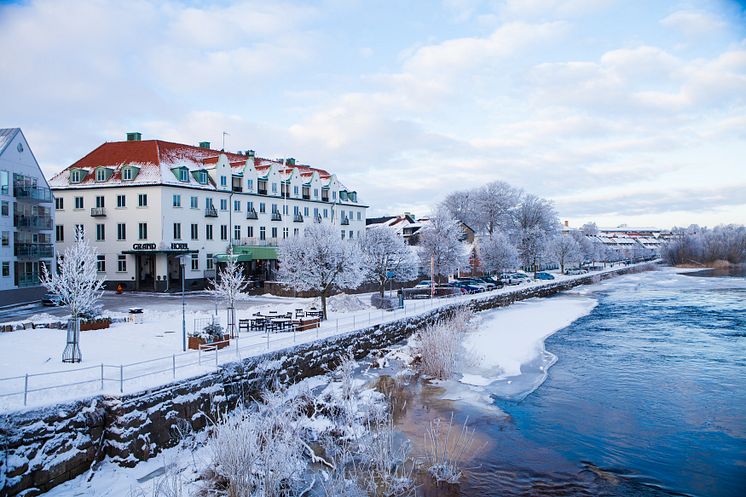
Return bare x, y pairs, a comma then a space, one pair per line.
182, 260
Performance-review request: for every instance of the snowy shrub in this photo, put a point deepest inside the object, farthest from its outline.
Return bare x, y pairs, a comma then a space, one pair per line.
440, 345
213, 332
446, 450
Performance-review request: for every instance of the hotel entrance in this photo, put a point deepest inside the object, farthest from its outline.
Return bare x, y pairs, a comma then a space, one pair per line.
158, 269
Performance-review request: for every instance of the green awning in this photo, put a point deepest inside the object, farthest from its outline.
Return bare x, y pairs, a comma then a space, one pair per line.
244, 253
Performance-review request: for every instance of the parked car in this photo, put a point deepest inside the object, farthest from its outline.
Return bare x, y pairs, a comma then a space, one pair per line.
576, 271
544, 276
466, 286
509, 279
491, 284
423, 284
475, 282
51, 299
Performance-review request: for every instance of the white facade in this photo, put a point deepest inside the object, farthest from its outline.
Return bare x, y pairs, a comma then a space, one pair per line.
199, 202
26, 220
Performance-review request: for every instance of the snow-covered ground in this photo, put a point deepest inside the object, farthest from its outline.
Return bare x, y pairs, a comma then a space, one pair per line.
129, 356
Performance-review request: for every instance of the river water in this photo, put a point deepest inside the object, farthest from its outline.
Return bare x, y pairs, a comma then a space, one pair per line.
647, 397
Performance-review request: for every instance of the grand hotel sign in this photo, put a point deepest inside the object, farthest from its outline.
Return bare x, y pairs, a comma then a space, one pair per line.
153, 246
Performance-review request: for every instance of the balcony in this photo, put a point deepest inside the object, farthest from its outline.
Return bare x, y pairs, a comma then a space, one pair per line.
211, 212
345, 221
262, 191
251, 214
98, 211
298, 218
276, 216
37, 222
306, 196
324, 197
33, 250
318, 218
33, 193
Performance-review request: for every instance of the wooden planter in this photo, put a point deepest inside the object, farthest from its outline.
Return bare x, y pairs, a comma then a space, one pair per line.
195, 342
309, 324
94, 325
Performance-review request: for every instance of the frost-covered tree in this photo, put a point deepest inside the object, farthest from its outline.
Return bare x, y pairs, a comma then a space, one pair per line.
587, 247
77, 284
564, 250
440, 241
536, 223
589, 229
463, 205
320, 261
385, 254
497, 254
726, 243
496, 202
228, 285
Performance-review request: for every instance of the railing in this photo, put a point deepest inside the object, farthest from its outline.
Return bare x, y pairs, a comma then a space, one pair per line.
251, 214
306, 196
35, 222
318, 218
33, 249
32, 193
276, 216
98, 211
261, 191
52, 386
298, 218
345, 221
211, 212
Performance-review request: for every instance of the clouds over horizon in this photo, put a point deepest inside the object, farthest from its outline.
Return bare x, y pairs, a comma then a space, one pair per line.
620, 112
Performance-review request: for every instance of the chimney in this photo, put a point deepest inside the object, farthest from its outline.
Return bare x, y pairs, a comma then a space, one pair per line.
134, 136
204, 144
290, 162
249, 153
567, 224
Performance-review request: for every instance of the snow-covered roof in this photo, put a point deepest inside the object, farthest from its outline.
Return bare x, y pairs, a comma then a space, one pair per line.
6, 136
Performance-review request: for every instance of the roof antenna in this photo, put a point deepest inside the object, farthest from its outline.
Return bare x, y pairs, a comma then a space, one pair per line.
224, 135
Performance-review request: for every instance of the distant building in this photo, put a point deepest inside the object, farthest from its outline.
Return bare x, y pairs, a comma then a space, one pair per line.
409, 227
145, 203
26, 220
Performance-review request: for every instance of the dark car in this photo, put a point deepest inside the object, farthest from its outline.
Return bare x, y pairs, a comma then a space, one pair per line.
469, 288
544, 276
51, 299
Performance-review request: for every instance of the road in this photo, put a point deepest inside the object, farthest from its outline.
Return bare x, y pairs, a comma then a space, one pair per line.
111, 301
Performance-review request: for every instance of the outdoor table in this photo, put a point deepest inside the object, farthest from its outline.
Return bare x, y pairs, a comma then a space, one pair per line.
314, 313
282, 323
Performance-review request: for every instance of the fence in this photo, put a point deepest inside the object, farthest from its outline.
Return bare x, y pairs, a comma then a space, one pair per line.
17, 391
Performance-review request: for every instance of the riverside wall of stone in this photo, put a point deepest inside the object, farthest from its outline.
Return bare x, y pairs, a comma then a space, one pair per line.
41, 448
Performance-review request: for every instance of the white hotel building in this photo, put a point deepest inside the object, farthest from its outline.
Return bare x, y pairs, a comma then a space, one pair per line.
144, 203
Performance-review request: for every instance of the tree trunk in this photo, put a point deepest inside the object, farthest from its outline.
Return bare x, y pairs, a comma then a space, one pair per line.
323, 304
382, 287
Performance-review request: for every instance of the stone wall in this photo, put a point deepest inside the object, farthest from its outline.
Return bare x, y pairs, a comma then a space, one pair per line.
44, 447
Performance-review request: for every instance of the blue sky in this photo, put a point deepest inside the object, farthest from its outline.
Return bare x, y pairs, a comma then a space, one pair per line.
619, 111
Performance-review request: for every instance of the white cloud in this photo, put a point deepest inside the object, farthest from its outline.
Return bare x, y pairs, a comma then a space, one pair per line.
694, 23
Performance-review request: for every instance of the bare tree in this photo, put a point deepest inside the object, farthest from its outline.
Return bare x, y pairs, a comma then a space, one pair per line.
229, 284
319, 261
77, 284
387, 257
563, 249
440, 242
497, 254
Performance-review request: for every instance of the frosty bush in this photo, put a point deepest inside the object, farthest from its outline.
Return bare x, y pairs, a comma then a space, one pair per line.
446, 449
440, 345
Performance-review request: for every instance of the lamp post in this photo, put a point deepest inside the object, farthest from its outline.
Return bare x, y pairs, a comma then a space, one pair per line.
182, 260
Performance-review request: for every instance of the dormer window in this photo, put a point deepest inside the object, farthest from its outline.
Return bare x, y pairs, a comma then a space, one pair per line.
201, 177
76, 176
250, 184
127, 174
183, 175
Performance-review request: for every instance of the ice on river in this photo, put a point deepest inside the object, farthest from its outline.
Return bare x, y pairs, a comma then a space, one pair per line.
507, 345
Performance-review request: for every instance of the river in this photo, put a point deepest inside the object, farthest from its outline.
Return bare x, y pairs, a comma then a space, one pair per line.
644, 395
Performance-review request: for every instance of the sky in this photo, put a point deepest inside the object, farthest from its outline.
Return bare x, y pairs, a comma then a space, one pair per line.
619, 111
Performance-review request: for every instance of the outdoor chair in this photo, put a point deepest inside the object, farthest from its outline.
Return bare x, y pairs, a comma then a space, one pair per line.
300, 313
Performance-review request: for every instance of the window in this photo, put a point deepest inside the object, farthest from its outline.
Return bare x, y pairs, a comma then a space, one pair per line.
262, 233
315, 193
183, 174
100, 233
210, 261
315, 212
59, 203
249, 184
202, 177
121, 231
4, 208
351, 235
343, 234
101, 174
274, 187
223, 181
208, 231
142, 231
121, 201
223, 231
249, 206
4, 182
285, 210
262, 207
274, 232
176, 200
6, 268
194, 203
274, 208
177, 231
76, 176
101, 263
142, 200
195, 232
100, 201
122, 263
223, 204
78, 202
250, 232
295, 190
6, 237
127, 174
326, 213
305, 211
59, 234
208, 203
296, 210
195, 262
236, 206
359, 214
237, 232
296, 231
79, 228
285, 232
334, 195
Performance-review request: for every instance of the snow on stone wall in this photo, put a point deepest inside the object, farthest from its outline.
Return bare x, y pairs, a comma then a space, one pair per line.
47, 446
